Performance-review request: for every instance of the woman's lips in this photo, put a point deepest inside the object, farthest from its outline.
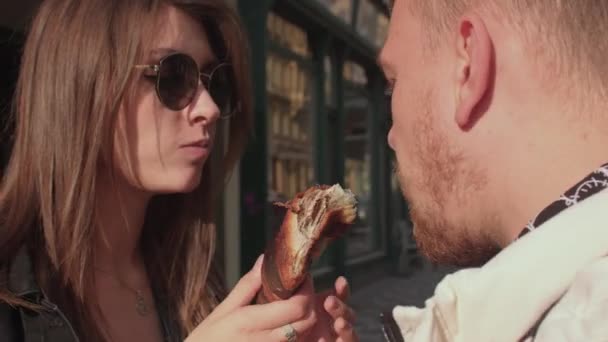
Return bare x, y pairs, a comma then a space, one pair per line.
197, 150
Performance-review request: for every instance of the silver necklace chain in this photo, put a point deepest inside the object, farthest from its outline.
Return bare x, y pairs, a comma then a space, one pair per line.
140, 302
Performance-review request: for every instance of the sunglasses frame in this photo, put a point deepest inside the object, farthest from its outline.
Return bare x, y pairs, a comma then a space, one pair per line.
155, 68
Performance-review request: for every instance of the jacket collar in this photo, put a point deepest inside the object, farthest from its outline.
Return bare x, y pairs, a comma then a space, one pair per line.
22, 283
21, 279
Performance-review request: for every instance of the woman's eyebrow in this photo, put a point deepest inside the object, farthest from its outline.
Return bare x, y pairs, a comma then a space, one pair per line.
207, 61
161, 52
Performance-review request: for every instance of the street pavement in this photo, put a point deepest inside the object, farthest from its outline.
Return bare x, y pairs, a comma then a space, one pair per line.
385, 293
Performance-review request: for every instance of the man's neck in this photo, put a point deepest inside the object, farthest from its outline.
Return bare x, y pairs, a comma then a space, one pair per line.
543, 164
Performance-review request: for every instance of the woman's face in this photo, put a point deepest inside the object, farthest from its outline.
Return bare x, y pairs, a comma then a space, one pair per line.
160, 150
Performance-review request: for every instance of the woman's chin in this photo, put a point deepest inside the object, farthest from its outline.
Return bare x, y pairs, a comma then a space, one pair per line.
180, 186
189, 185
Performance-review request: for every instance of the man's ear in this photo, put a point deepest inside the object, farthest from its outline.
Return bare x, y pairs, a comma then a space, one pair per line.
473, 69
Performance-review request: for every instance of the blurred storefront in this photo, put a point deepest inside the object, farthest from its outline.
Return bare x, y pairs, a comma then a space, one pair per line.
321, 118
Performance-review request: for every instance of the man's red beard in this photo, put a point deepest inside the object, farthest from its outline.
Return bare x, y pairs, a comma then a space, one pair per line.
442, 176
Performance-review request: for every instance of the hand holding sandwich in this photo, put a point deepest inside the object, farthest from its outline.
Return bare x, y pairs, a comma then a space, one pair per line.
287, 308
313, 317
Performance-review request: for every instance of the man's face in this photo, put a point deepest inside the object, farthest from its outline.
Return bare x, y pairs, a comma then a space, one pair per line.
441, 180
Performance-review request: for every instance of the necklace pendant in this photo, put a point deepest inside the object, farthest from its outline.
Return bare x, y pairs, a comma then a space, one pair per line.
140, 304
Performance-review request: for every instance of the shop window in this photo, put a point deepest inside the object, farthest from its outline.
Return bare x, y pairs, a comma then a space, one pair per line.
287, 35
290, 111
355, 74
381, 30
342, 9
372, 24
330, 97
357, 159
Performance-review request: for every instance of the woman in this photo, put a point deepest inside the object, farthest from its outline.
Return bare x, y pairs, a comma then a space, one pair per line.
106, 207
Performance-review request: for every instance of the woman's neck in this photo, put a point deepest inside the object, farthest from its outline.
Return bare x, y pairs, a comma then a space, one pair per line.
121, 211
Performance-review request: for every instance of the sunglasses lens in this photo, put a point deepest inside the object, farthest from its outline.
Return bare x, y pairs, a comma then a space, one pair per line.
220, 89
178, 81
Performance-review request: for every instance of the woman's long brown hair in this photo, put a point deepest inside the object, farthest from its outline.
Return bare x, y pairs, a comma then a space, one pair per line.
76, 71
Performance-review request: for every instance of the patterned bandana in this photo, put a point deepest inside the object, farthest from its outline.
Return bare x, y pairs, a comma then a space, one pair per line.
591, 185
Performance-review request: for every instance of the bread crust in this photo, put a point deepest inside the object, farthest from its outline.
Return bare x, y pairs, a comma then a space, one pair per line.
313, 218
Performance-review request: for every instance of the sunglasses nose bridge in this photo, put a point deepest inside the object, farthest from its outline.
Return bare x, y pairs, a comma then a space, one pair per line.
204, 80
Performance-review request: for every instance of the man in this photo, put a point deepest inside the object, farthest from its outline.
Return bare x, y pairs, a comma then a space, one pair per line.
500, 128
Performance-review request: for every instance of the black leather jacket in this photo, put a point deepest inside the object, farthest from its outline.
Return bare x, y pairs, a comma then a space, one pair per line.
18, 324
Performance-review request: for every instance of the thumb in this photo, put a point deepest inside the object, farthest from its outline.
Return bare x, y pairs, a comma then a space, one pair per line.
244, 291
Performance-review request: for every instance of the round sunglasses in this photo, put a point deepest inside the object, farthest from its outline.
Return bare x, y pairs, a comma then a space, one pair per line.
177, 75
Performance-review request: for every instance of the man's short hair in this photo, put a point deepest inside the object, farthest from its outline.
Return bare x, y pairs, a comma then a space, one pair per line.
571, 33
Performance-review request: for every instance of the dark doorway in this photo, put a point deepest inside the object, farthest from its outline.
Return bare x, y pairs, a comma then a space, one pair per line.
11, 43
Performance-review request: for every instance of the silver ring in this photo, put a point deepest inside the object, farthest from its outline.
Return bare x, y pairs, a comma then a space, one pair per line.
290, 333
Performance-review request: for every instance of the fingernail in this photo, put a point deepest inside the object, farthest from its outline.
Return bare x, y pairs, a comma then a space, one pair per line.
258, 262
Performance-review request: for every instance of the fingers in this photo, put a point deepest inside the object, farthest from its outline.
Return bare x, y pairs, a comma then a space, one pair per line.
276, 314
343, 316
243, 292
338, 309
336, 305
297, 311
342, 289
322, 296
345, 331
300, 328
